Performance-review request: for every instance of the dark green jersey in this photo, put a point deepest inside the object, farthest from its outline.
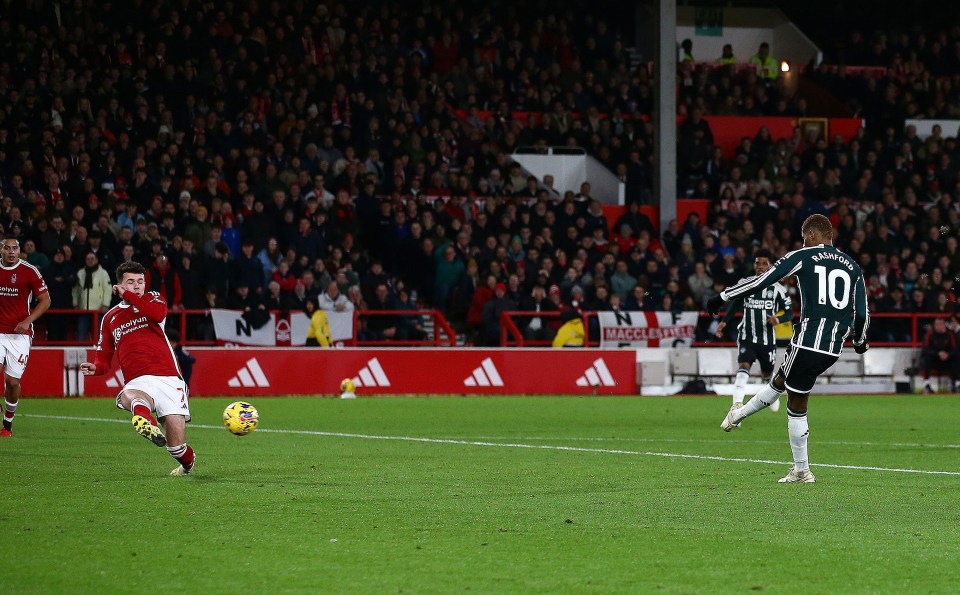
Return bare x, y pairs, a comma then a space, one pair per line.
833, 296
754, 327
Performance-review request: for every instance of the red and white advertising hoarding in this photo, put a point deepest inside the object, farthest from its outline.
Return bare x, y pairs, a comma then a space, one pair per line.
292, 371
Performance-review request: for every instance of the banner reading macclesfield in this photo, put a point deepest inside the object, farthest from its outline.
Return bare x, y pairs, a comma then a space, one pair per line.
647, 329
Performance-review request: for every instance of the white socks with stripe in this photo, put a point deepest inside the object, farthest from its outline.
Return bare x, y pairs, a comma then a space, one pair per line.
178, 450
740, 386
9, 409
799, 430
761, 400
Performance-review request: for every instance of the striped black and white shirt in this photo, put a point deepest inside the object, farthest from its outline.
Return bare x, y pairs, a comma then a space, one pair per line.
833, 297
754, 327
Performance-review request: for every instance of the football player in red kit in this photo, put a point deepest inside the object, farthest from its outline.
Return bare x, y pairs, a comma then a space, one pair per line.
153, 382
19, 283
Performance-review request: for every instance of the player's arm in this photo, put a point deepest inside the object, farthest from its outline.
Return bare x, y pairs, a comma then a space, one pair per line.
861, 313
43, 304
151, 304
39, 290
104, 356
786, 266
786, 304
731, 310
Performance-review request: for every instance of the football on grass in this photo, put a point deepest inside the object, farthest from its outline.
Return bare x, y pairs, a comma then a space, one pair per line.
240, 418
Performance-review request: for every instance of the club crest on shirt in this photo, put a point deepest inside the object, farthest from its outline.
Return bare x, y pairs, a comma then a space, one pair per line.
13, 278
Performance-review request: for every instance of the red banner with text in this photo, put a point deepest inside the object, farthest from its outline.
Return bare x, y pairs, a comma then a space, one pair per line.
279, 371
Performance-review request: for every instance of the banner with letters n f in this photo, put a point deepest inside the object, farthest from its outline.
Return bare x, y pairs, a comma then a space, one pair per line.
232, 329
647, 329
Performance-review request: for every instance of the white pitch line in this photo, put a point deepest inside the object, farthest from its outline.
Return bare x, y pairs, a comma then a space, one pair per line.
669, 455
727, 440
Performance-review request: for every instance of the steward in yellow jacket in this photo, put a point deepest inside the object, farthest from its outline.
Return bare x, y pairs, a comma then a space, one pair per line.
571, 333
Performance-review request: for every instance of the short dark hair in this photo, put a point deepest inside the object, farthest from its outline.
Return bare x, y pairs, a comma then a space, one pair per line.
130, 267
819, 224
11, 236
764, 253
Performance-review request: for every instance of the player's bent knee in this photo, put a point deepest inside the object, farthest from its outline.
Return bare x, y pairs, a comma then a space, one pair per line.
778, 382
797, 402
129, 396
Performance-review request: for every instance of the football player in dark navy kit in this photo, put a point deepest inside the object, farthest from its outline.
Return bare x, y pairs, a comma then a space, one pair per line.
756, 335
833, 307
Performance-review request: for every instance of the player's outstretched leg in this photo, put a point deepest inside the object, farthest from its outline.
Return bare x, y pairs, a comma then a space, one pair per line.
775, 405
767, 395
145, 424
185, 456
728, 424
9, 410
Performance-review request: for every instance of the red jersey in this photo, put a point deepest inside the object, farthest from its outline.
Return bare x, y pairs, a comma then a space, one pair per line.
18, 285
134, 330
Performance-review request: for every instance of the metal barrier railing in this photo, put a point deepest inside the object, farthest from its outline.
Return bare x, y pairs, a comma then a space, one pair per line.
900, 330
62, 327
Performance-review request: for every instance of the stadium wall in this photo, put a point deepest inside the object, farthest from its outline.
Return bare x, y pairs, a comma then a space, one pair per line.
311, 371
54, 372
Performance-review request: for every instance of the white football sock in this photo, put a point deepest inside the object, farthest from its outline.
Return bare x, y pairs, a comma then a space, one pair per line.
799, 430
10, 410
759, 401
740, 385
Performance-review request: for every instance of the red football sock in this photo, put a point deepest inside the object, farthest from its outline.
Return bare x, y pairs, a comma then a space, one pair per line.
187, 458
144, 411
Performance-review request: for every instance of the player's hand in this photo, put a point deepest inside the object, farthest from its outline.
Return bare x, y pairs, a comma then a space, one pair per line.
22, 328
714, 304
861, 348
88, 369
773, 320
118, 291
720, 328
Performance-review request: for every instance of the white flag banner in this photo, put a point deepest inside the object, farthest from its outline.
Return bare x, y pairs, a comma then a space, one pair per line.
341, 325
232, 329
647, 329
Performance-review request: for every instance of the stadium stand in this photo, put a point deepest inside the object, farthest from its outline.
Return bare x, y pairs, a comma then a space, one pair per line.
311, 143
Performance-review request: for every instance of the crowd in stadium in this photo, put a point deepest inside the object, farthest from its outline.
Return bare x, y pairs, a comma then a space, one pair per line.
257, 154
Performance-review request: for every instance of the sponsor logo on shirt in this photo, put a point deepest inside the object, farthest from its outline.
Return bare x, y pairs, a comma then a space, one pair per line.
129, 327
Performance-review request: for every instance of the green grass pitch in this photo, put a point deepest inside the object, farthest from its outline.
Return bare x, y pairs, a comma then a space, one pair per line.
490, 495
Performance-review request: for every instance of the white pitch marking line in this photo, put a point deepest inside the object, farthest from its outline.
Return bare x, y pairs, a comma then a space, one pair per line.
734, 441
668, 455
